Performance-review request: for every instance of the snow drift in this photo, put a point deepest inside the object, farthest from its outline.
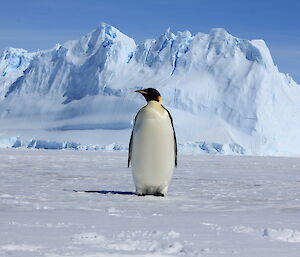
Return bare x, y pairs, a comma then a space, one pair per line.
220, 90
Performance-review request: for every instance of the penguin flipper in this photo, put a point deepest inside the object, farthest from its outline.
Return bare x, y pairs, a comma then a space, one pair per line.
131, 139
130, 148
175, 140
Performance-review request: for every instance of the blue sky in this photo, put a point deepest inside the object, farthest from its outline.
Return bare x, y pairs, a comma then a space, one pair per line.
40, 24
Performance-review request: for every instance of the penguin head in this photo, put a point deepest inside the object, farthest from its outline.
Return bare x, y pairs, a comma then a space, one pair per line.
150, 94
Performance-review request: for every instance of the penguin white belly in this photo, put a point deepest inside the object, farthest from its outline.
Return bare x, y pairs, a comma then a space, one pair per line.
153, 157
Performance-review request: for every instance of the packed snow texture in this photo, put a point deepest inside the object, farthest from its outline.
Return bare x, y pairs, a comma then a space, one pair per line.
220, 90
216, 206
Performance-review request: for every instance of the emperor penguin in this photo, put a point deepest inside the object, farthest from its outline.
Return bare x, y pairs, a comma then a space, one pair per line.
152, 146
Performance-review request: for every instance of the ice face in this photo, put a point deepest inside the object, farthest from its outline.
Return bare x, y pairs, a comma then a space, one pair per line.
219, 88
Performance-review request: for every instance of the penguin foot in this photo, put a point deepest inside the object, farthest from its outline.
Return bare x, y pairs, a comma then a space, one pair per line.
151, 190
159, 194
155, 194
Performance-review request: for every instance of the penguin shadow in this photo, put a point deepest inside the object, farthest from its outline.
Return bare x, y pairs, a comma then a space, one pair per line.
105, 192
113, 192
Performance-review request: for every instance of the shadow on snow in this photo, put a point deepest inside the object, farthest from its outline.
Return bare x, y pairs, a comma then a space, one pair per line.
104, 192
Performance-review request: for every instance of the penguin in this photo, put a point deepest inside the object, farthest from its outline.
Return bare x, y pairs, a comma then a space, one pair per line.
152, 146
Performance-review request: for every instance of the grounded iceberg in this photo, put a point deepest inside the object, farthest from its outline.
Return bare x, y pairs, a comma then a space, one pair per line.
225, 94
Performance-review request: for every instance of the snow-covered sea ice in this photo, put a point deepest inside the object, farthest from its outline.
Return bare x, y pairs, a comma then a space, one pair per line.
216, 206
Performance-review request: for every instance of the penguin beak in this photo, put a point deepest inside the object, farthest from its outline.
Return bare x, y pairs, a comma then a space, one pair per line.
141, 91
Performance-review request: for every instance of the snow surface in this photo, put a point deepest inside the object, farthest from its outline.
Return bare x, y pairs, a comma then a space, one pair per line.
220, 89
216, 206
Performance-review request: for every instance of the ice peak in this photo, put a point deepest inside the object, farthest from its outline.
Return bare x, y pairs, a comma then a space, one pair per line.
11, 54
219, 33
104, 32
108, 30
185, 33
168, 34
13, 50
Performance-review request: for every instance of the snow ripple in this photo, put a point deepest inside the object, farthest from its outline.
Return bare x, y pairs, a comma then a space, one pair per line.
285, 235
155, 242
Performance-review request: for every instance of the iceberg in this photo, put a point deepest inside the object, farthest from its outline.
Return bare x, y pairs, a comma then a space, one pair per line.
218, 88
